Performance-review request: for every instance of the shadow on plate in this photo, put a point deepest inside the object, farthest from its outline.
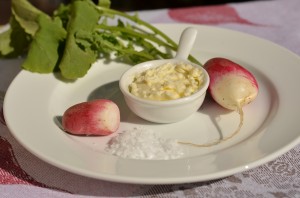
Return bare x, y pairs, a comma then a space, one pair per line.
111, 91
214, 111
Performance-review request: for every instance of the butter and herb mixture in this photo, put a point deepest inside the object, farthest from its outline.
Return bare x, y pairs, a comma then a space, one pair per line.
167, 82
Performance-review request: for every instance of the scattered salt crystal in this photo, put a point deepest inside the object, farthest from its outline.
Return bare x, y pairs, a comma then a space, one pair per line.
140, 143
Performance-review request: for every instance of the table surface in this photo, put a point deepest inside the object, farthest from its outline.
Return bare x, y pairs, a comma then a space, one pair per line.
24, 175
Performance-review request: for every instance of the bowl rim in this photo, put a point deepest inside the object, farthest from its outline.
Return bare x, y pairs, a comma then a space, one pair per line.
123, 83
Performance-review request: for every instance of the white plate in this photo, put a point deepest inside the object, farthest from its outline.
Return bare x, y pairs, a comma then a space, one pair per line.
34, 103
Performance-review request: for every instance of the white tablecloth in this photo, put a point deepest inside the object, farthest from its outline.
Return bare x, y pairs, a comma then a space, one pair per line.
24, 175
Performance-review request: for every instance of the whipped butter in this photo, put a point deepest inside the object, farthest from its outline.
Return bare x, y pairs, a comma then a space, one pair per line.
167, 82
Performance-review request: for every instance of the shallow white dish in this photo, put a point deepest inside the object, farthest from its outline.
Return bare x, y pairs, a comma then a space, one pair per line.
34, 103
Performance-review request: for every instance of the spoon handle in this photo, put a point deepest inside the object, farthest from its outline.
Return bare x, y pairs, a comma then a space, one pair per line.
186, 43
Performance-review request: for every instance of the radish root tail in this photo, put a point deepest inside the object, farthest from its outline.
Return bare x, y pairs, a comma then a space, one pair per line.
241, 113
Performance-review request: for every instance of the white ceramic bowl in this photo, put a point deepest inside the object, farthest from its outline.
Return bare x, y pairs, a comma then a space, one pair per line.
162, 111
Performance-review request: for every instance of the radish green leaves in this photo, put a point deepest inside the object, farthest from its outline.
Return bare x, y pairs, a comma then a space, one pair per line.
78, 34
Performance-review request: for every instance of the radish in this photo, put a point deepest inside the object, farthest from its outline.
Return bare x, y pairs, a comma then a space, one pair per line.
232, 87
97, 117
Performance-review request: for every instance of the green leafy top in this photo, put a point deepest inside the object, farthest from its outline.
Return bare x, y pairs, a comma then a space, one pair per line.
77, 34
26, 15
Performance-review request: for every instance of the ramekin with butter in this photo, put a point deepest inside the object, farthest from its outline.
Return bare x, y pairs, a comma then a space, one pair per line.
167, 82
164, 91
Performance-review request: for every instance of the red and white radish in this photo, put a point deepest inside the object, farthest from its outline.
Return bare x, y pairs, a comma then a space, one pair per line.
97, 117
232, 87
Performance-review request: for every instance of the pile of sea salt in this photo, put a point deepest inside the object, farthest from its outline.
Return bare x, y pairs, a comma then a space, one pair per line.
140, 143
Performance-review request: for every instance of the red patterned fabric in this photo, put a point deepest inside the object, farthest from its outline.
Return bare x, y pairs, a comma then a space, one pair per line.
211, 15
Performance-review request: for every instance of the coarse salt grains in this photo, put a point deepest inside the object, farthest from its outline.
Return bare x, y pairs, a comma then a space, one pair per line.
140, 143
